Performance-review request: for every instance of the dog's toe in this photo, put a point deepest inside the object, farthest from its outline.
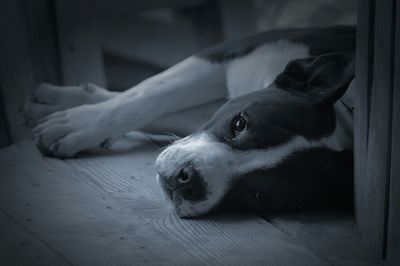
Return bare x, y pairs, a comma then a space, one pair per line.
52, 134
41, 147
70, 145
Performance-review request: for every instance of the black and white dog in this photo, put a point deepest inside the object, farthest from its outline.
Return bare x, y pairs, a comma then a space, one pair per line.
278, 142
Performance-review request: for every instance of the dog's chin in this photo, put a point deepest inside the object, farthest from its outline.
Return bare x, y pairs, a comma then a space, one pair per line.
182, 207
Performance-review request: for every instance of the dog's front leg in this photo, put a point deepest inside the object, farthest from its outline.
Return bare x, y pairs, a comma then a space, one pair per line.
192, 82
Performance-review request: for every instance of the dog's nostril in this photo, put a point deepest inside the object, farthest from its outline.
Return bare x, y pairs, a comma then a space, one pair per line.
189, 184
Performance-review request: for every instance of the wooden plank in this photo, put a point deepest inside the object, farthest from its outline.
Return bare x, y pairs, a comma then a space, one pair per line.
28, 55
206, 20
363, 81
126, 7
221, 240
107, 209
393, 238
238, 18
142, 38
42, 36
123, 73
76, 217
80, 49
20, 247
5, 138
15, 61
323, 231
273, 14
378, 160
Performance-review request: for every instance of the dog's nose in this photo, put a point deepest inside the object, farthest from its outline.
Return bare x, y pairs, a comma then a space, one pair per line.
186, 182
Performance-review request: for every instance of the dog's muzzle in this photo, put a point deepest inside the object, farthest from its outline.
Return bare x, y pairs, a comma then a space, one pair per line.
193, 175
185, 183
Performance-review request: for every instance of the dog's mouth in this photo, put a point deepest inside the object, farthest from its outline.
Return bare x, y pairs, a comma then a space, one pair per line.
167, 192
184, 198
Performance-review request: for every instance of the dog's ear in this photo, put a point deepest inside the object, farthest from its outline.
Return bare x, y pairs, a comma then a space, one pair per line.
323, 79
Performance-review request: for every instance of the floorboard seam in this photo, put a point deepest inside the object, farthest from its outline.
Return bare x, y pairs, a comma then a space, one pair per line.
55, 251
307, 247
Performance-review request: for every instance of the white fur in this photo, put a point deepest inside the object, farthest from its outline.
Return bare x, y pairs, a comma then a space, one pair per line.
192, 82
259, 69
218, 164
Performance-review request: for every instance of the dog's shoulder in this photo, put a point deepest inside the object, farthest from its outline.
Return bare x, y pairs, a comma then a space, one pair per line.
253, 62
258, 69
319, 40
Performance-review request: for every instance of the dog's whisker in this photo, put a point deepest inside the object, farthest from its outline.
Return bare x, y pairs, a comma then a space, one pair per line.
171, 141
163, 147
173, 135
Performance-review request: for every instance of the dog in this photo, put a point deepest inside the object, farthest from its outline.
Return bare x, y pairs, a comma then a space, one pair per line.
271, 128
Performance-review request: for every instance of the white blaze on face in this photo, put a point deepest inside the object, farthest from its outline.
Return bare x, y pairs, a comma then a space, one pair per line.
219, 165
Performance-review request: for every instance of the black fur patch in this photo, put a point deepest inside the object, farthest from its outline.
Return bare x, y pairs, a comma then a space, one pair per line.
308, 179
273, 118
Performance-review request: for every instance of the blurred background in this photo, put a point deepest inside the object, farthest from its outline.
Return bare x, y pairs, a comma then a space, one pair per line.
116, 44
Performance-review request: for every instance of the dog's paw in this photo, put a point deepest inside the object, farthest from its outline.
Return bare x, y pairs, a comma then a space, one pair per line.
63, 134
47, 99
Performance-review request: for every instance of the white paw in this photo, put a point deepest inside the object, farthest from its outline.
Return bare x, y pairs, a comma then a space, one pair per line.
47, 99
65, 133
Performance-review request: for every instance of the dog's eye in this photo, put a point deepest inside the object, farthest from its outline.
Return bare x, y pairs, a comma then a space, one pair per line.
238, 124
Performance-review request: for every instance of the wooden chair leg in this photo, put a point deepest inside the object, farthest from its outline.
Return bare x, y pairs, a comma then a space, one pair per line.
80, 48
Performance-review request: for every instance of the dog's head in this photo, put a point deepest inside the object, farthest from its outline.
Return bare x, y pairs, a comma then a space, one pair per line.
264, 139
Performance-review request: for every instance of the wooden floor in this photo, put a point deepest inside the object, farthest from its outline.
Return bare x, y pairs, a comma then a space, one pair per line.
107, 209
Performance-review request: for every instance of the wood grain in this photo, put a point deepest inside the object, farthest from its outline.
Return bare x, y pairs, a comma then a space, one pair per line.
239, 18
5, 138
375, 182
364, 63
121, 8
15, 58
19, 246
393, 238
80, 47
325, 230
143, 38
130, 178
75, 217
106, 208
28, 55
140, 38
